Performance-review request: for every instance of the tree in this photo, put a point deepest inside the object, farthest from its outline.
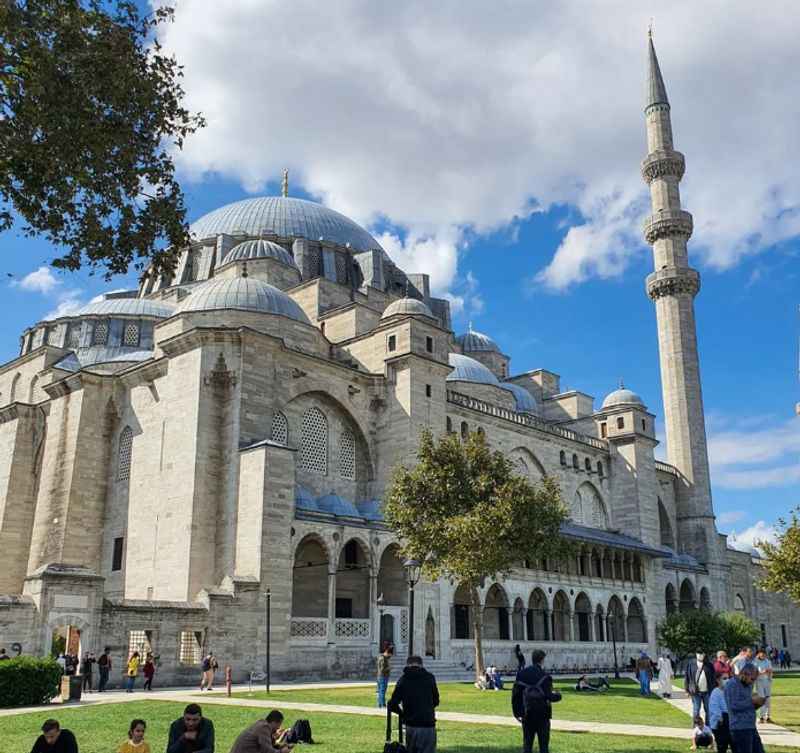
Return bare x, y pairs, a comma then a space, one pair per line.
467, 515
90, 111
781, 561
685, 632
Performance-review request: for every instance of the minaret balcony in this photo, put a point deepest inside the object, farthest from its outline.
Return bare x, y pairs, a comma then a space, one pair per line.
673, 281
663, 164
668, 223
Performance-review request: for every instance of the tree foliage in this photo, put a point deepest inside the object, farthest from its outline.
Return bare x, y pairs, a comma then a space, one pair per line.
782, 559
468, 516
91, 109
28, 681
685, 632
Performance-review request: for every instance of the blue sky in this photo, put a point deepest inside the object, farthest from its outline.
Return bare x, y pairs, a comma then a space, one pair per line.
513, 180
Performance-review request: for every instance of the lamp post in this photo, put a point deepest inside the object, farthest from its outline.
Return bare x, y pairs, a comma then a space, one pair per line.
268, 594
612, 615
412, 577
380, 603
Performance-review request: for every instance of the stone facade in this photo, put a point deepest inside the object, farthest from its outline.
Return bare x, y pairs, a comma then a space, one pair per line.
170, 456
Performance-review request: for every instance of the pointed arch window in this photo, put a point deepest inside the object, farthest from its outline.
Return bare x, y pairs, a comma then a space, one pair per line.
280, 428
347, 455
100, 333
314, 442
124, 454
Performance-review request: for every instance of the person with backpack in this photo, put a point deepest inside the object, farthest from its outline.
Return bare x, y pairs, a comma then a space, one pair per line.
414, 700
209, 667
532, 702
261, 736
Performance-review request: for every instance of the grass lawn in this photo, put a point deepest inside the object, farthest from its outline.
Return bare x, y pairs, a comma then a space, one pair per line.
621, 704
785, 708
100, 729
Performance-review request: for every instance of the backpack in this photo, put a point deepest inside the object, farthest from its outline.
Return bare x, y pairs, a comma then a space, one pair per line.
390, 746
534, 696
206, 665
300, 733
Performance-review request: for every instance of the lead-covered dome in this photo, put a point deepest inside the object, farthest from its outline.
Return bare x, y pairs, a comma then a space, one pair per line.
477, 342
622, 396
287, 218
109, 306
407, 307
466, 369
244, 294
524, 401
259, 249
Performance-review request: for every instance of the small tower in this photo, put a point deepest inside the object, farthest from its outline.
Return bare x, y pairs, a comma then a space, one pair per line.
672, 288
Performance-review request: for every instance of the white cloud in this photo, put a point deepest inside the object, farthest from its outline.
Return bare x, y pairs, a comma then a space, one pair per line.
443, 118
749, 539
41, 280
68, 303
730, 517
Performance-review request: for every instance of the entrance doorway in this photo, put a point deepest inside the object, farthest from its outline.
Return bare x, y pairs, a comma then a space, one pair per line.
430, 635
387, 630
66, 639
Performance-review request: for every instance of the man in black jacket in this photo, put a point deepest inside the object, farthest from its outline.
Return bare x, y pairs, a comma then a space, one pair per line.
192, 733
414, 699
535, 712
699, 681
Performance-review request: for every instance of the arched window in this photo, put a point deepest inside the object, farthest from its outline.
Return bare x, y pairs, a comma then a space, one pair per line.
576, 508
537, 618
561, 617
124, 454
449, 425
522, 467
636, 626
518, 621
280, 428
616, 619
495, 614
575, 464
130, 335
588, 465
461, 624
464, 430
665, 526
14, 388
705, 599
670, 599
347, 455
599, 469
100, 333
32, 389
583, 618
314, 442
563, 457
621, 422
738, 604
599, 624
597, 569
481, 431
688, 600
638, 573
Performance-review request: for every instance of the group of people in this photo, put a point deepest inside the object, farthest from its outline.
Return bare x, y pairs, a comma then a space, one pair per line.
190, 733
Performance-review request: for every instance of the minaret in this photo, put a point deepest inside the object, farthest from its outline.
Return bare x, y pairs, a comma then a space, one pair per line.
672, 287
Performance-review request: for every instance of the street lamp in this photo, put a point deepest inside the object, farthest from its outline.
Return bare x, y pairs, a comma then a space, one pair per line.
412, 567
612, 615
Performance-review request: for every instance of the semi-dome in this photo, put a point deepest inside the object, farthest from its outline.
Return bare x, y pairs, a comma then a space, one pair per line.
259, 249
622, 396
335, 504
407, 307
127, 307
287, 218
242, 293
466, 369
525, 402
476, 342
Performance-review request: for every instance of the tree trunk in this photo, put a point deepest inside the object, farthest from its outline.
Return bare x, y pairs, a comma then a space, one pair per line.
477, 629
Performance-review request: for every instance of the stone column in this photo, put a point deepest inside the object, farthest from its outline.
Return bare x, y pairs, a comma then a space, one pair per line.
332, 607
374, 617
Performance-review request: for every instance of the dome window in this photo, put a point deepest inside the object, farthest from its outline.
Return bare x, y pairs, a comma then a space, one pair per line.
100, 333
429, 344
563, 457
73, 335
599, 469
575, 463
130, 336
588, 464
621, 422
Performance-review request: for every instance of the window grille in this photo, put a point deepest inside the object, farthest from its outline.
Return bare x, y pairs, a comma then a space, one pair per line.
124, 454
190, 648
314, 442
314, 261
100, 334
131, 334
73, 335
341, 269
347, 455
116, 557
522, 467
139, 640
280, 428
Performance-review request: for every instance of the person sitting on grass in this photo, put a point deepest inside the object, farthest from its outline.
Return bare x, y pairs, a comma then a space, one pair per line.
263, 736
584, 684
192, 733
701, 734
54, 739
135, 742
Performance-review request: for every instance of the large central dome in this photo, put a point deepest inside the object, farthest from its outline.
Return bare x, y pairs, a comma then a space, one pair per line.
287, 218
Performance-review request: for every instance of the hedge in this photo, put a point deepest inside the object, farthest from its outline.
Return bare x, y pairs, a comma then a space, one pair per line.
28, 681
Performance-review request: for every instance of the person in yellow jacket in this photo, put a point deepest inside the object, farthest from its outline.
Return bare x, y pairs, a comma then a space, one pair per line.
135, 742
131, 671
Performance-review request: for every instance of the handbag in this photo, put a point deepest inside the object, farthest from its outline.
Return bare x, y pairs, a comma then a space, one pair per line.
390, 746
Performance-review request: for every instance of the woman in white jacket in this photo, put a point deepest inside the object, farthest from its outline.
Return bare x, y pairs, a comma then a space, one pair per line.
665, 676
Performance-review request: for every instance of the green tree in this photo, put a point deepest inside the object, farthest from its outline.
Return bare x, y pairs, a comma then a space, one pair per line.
90, 112
466, 515
781, 561
738, 630
685, 632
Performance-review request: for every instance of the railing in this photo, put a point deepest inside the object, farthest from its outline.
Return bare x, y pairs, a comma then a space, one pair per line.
352, 630
667, 468
524, 419
309, 628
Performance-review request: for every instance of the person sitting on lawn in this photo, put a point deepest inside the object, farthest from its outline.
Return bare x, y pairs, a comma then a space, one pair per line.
701, 734
494, 677
584, 684
54, 739
263, 736
192, 733
135, 742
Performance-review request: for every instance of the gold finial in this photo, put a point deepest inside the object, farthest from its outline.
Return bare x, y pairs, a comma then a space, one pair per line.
621, 384
285, 186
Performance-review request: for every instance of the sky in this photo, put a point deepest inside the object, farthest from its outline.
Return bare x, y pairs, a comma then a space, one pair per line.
499, 152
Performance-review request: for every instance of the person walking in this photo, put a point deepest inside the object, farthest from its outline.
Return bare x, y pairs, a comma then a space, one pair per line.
149, 671
718, 718
414, 700
532, 700
742, 705
131, 671
87, 664
103, 667
384, 669
209, 667
698, 683
520, 657
644, 670
665, 675
763, 683
54, 739
722, 667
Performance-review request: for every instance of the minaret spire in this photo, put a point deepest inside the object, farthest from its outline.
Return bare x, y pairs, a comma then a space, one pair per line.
672, 288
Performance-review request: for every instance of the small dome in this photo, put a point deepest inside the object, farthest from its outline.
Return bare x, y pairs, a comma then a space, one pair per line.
242, 293
370, 509
622, 396
127, 307
407, 307
335, 504
259, 249
477, 342
466, 369
525, 402
304, 500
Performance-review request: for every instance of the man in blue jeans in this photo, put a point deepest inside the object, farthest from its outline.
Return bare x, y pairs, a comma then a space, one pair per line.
742, 705
384, 668
699, 681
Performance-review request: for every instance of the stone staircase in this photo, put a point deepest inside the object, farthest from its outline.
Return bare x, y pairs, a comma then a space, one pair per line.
443, 671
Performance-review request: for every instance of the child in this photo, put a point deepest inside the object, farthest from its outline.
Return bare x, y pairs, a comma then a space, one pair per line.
135, 742
701, 735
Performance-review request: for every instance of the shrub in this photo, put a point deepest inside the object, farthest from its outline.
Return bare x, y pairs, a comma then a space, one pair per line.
28, 681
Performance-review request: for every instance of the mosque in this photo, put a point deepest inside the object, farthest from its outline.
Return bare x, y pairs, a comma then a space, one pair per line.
176, 459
